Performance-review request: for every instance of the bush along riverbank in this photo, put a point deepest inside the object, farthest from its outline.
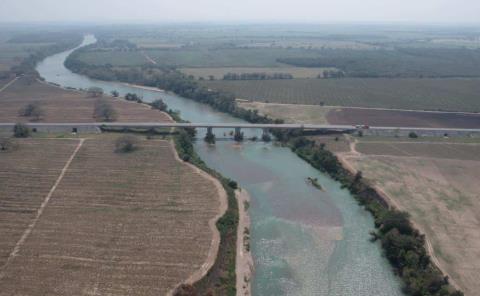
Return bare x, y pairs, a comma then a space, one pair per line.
403, 245
221, 279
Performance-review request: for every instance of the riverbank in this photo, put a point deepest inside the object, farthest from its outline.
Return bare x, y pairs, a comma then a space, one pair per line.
399, 237
244, 261
215, 244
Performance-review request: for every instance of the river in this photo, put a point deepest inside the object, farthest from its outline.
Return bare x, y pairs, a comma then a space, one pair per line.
304, 241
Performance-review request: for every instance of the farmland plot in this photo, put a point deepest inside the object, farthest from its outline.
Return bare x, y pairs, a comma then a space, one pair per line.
67, 106
26, 176
375, 117
419, 94
118, 224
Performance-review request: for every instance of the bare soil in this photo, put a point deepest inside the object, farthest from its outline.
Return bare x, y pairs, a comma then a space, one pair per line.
291, 113
135, 223
439, 187
67, 106
378, 117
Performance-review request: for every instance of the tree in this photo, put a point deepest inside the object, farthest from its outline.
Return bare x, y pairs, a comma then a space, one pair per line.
104, 111
21, 130
33, 110
412, 135
126, 143
160, 105
115, 93
95, 92
132, 97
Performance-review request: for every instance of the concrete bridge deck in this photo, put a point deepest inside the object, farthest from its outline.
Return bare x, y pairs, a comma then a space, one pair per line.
372, 130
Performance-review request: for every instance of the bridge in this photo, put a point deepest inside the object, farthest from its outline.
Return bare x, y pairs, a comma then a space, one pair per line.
237, 127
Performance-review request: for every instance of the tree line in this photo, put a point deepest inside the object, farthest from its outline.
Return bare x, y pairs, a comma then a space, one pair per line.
257, 76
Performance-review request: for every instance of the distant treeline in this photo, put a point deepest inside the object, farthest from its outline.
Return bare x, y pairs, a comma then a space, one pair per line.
257, 76
398, 62
62, 43
113, 45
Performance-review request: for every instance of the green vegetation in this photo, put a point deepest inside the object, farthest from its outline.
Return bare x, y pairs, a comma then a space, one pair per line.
219, 73
126, 143
421, 94
199, 56
159, 104
94, 92
220, 280
56, 42
32, 110
257, 76
412, 135
104, 111
21, 130
397, 62
7, 144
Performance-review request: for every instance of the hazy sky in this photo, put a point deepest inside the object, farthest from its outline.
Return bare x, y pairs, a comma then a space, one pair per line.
242, 10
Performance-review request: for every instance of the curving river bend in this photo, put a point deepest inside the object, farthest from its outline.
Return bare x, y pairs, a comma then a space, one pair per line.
303, 241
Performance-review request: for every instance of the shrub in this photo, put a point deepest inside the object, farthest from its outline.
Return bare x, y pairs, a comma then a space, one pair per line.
6, 144
104, 111
266, 137
94, 92
127, 143
132, 97
21, 130
412, 135
33, 110
159, 104
232, 184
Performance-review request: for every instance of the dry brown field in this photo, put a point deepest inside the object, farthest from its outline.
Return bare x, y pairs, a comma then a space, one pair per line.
376, 117
67, 106
315, 114
116, 224
438, 183
289, 112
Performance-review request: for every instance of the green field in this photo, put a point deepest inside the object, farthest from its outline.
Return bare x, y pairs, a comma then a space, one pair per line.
421, 94
12, 54
197, 57
115, 58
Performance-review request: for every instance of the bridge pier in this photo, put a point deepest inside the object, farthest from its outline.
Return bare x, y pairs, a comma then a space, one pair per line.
238, 135
210, 136
209, 131
266, 135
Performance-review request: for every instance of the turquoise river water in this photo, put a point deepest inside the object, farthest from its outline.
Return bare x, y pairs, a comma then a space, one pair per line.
304, 241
